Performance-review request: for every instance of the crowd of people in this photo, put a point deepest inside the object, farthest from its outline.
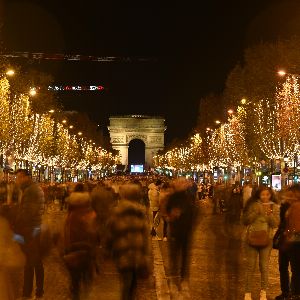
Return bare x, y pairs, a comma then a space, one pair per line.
112, 218
118, 217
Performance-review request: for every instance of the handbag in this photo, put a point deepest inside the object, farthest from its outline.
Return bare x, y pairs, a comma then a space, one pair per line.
258, 239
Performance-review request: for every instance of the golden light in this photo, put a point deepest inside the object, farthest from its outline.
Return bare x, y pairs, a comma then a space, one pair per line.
244, 101
32, 92
79, 133
230, 111
64, 121
218, 122
51, 111
207, 129
10, 72
281, 73
71, 126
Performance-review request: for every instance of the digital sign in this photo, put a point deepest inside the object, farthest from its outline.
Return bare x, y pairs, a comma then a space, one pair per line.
137, 168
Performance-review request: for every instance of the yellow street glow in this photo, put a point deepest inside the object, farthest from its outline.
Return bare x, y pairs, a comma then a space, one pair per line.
32, 92
281, 73
10, 72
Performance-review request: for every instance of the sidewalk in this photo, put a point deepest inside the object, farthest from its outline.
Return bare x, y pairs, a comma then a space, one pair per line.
218, 260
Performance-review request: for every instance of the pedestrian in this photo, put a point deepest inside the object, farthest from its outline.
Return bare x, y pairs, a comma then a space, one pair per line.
199, 191
247, 193
11, 259
28, 224
292, 236
127, 239
279, 243
181, 215
234, 206
104, 200
261, 216
165, 192
80, 240
153, 195
64, 196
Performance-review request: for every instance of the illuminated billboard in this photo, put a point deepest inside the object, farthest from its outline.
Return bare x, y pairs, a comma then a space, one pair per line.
136, 168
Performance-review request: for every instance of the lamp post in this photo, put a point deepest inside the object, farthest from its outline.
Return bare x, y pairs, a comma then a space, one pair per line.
32, 92
10, 72
230, 112
283, 73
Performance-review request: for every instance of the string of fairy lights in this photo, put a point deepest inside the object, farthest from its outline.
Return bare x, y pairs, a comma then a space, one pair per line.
269, 128
28, 138
188, 156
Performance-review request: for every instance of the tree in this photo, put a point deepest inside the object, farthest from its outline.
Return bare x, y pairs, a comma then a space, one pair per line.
276, 124
227, 145
256, 77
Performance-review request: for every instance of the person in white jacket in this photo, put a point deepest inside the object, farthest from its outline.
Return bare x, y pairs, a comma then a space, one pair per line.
153, 195
247, 193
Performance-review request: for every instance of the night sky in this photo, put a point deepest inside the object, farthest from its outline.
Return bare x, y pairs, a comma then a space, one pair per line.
193, 47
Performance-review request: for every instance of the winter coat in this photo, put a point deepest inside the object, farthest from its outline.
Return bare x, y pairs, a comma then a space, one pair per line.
247, 193
31, 208
256, 219
293, 218
282, 226
80, 226
127, 236
153, 195
182, 212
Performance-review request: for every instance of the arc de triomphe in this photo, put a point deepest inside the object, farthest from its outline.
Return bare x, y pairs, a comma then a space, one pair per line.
150, 130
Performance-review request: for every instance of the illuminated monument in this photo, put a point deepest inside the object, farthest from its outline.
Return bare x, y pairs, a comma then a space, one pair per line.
150, 130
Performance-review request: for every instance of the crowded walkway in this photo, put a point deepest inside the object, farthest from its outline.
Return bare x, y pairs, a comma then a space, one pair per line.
202, 255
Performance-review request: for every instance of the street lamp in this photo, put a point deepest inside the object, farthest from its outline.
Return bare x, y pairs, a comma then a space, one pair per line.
79, 133
218, 122
243, 101
32, 92
10, 72
64, 121
51, 111
281, 73
71, 126
230, 111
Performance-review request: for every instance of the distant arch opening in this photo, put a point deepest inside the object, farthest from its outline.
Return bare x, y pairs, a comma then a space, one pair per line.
136, 153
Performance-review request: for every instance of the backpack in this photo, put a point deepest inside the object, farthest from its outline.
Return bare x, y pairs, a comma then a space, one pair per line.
293, 222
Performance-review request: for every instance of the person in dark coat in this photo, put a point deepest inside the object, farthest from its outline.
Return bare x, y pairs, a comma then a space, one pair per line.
127, 239
292, 236
28, 225
234, 206
181, 214
80, 240
283, 257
